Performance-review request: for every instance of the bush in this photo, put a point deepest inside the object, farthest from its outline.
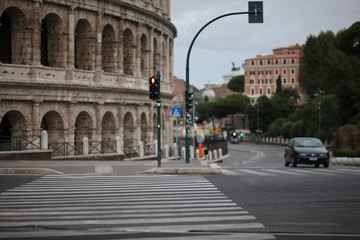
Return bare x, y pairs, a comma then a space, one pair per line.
346, 153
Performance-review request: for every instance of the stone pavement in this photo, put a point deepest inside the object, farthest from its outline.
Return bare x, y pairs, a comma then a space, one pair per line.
103, 167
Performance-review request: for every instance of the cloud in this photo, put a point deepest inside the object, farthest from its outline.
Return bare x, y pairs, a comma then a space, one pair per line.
234, 39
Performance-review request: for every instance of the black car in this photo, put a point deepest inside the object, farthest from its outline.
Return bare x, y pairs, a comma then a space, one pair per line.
306, 151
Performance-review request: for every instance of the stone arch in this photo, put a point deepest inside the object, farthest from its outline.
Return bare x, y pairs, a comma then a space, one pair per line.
156, 56
83, 127
108, 128
144, 56
129, 130
15, 41
12, 124
129, 52
108, 49
144, 128
53, 123
53, 41
85, 42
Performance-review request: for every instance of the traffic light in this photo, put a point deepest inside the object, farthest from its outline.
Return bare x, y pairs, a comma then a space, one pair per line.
189, 99
234, 134
241, 134
153, 81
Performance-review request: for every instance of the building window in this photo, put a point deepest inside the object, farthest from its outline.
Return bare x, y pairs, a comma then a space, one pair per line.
261, 72
284, 71
276, 61
252, 62
276, 72
251, 81
261, 81
292, 71
252, 72
260, 62
284, 80
252, 91
268, 62
284, 61
293, 80
269, 91
292, 61
268, 72
260, 91
268, 81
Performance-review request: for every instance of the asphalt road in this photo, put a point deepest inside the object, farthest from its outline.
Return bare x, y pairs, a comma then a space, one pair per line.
292, 203
260, 199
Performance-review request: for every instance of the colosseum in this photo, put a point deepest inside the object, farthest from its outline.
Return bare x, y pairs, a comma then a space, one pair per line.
81, 68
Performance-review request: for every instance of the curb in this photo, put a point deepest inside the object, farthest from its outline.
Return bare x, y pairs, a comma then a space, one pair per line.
38, 171
180, 171
345, 161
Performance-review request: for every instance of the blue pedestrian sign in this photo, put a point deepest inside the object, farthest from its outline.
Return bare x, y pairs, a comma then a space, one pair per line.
176, 112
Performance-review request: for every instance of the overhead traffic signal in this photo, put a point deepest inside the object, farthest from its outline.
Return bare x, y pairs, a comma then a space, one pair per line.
153, 89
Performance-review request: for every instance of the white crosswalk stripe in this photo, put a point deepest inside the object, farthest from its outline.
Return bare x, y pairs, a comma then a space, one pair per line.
273, 172
90, 205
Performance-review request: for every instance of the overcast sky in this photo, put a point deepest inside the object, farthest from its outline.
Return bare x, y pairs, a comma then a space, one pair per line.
233, 39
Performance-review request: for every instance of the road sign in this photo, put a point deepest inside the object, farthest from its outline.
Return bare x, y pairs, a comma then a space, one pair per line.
176, 112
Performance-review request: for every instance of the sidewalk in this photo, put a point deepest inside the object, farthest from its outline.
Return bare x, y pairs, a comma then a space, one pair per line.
102, 167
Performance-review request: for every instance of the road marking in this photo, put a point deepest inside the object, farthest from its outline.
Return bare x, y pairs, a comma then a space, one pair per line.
122, 204
255, 172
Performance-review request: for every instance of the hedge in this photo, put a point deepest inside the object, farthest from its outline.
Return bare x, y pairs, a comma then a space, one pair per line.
346, 153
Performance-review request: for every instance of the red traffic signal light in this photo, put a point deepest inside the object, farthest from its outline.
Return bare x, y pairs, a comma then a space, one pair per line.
152, 80
153, 88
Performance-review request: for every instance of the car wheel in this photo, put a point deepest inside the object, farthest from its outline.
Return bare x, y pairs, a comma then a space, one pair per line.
326, 164
293, 162
286, 163
317, 165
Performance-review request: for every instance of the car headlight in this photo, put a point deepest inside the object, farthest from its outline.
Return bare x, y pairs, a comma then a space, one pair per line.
302, 154
323, 154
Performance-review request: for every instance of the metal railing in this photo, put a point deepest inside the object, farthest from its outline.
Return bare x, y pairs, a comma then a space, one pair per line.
130, 151
66, 148
149, 149
101, 147
19, 143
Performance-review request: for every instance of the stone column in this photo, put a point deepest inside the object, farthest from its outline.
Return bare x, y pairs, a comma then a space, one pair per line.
98, 32
36, 33
35, 118
151, 53
98, 123
138, 124
71, 123
137, 71
121, 123
120, 55
70, 44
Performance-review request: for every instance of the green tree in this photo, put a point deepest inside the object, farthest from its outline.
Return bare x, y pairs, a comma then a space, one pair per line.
237, 84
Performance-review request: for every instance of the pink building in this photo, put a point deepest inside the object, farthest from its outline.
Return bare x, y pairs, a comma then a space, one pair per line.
261, 72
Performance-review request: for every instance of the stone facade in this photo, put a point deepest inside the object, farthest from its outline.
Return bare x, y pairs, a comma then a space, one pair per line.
81, 69
261, 72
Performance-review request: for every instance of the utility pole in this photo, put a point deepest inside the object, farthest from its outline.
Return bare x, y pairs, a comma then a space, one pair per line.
255, 16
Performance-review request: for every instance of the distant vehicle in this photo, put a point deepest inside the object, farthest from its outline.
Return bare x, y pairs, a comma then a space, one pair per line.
235, 141
306, 151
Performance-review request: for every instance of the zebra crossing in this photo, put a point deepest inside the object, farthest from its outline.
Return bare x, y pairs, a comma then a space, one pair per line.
289, 171
80, 205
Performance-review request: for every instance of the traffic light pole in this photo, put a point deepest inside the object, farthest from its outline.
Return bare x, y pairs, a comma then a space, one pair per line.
187, 109
158, 100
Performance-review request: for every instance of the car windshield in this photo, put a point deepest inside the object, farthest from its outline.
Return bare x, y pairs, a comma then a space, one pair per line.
309, 142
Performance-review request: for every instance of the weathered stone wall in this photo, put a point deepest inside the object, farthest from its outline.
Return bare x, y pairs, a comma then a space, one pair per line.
81, 68
347, 138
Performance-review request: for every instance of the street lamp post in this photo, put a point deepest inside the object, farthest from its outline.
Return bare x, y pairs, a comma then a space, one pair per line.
255, 16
